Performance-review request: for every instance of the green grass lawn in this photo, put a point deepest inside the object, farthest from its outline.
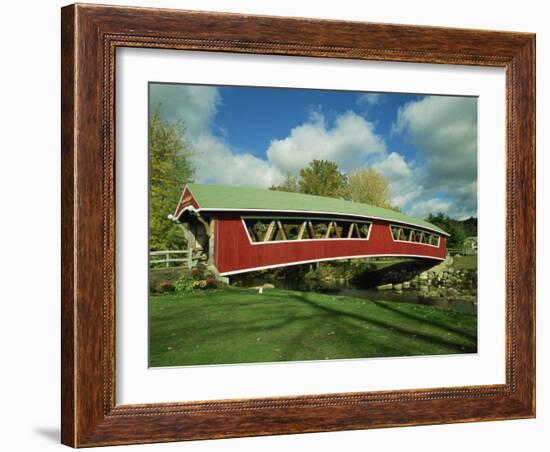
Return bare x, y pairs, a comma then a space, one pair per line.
465, 262
242, 326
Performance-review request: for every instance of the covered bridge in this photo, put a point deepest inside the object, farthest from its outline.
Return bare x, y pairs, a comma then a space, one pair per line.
244, 229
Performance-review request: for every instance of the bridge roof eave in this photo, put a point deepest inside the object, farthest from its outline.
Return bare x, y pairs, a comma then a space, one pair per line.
305, 213
215, 198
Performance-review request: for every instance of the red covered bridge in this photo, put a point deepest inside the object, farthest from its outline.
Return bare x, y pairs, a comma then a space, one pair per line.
243, 229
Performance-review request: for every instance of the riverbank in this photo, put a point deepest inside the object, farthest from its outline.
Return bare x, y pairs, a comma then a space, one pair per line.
233, 325
449, 285
455, 278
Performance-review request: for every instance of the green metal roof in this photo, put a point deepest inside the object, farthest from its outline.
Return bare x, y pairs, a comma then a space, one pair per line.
219, 197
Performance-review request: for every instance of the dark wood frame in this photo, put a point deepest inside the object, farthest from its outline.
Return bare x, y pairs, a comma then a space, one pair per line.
90, 35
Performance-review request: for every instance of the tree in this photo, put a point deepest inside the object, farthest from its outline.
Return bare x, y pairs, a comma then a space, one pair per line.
369, 186
456, 240
290, 184
169, 171
323, 178
455, 228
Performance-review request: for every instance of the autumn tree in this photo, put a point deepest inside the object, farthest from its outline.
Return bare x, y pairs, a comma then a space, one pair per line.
290, 184
169, 171
323, 178
369, 186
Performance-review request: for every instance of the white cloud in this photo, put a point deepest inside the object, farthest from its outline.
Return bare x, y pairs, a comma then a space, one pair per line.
216, 164
423, 208
405, 188
444, 132
349, 143
393, 166
214, 161
195, 105
370, 99
441, 177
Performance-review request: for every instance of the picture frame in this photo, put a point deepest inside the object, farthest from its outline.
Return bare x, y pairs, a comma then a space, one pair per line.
90, 36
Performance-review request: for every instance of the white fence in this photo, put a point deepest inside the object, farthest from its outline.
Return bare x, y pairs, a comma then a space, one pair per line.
167, 258
462, 251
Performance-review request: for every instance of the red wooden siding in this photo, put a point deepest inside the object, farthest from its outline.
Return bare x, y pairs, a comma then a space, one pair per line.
235, 253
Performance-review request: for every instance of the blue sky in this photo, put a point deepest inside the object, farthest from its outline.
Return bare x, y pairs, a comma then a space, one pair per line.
272, 113
253, 136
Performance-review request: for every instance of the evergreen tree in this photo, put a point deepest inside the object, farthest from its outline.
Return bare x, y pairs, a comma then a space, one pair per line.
456, 228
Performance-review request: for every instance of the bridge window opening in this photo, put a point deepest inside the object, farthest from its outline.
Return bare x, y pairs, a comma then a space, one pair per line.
405, 234
349, 231
401, 234
293, 229
289, 229
257, 229
320, 229
434, 240
395, 232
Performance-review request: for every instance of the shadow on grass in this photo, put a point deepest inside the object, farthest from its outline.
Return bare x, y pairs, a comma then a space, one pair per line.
431, 322
297, 327
406, 333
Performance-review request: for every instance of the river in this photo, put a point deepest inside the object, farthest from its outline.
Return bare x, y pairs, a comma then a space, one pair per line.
351, 290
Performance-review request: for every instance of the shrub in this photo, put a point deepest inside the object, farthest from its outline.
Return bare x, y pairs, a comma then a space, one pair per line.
212, 283
165, 286
161, 286
202, 284
187, 283
197, 273
184, 284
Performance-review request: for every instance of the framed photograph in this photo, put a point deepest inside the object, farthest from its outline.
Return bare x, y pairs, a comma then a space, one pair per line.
281, 225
